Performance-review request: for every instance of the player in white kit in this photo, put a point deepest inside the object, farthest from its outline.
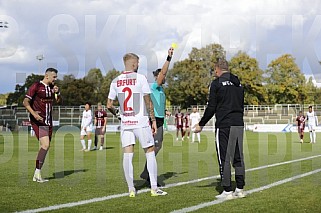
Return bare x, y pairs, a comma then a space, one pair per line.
312, 123
86, 127
136, 108
194, 119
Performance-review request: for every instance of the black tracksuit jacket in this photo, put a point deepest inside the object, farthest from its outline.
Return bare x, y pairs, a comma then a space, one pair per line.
226, 101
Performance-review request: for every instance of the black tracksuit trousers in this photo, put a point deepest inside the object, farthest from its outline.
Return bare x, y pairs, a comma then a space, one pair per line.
229, 148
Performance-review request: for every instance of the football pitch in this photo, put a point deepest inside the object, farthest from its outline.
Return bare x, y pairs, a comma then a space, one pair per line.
282, 175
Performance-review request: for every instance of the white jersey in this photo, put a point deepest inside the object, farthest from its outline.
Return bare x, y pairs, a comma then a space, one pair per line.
195, 118
312, 118
86, 120
130, 88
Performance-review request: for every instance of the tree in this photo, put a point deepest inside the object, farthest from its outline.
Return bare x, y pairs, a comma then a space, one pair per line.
32, 79
251, 77
188, 81
208, 55
285, 82
3, 99
95, 79
76, 92
20, 90
317, 96
310, 93
111, 74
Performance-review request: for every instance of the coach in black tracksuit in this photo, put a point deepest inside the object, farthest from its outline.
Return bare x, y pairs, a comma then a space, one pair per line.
226, 101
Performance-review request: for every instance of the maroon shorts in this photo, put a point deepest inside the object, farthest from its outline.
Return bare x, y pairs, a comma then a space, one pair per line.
99, 131
300, 130
42, 131
179, 126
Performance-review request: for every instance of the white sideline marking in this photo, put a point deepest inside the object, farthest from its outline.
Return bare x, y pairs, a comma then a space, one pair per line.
99, 199
212, 203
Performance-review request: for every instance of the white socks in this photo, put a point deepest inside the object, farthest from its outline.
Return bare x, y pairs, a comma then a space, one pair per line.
198, 137
89, 144
152, 169
37, 171
313, 136
128, 170
83, 144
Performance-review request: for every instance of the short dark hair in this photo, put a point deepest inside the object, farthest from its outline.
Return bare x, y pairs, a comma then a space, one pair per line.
50, 69
88, 103
310, 107
222, 64
156, 72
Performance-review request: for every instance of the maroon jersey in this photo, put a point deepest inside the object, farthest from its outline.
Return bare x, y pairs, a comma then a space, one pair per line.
301, 122
186, 120
100, 118
179, 119
41, 99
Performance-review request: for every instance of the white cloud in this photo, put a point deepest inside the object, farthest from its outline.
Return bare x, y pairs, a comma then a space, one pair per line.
98, 33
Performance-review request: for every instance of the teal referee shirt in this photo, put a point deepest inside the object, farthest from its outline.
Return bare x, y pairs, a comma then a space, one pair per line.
158, 99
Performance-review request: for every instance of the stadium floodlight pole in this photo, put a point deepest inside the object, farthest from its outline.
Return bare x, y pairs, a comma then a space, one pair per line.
40, 58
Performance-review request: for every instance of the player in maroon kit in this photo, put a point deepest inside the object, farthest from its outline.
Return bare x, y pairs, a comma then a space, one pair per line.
38, 101
179, 123
100, 126
301, 124
186, 126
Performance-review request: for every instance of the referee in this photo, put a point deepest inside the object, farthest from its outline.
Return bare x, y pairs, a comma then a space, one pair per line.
158, 99
226, 101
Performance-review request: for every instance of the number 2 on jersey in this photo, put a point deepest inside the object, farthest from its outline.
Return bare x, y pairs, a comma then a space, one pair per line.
127, 89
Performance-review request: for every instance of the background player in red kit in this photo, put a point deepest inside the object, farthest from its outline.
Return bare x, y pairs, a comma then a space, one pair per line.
100, 126
38, 101
179, 123
301, 124
186, 125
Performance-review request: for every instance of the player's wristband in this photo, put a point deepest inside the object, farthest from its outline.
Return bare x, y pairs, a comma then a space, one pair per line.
169, 58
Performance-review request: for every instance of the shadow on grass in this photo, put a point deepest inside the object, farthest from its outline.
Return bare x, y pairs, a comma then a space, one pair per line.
217, 185
108, 147
140, 184
62, 174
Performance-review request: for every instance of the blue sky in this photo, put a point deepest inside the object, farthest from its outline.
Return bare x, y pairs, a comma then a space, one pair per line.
77, 35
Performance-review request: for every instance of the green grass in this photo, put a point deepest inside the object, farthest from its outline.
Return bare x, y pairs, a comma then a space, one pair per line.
76, 176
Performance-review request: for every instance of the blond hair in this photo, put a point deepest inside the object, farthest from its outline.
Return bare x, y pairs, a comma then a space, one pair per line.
128, 56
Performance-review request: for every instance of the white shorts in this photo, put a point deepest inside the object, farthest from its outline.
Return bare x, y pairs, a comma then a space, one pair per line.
88, 129
311, 127
144, 135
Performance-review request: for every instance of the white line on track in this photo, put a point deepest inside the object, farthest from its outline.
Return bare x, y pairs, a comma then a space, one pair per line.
214, 202
99, 199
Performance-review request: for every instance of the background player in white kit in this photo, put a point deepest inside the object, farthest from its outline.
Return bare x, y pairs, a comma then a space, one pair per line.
312, 123
86, 127
194, 119
136, 108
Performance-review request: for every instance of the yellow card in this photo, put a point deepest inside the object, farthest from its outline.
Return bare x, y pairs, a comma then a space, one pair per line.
174, 45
